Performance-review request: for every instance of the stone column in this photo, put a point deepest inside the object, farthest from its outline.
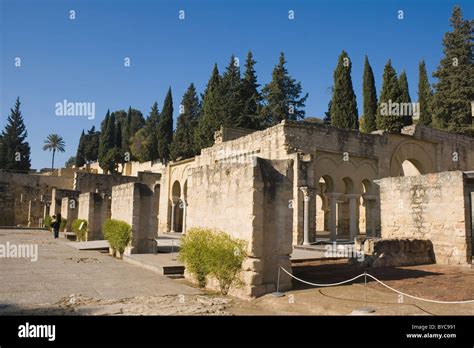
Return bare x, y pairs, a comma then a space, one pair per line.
354, 201
173, 205
332, 199
306, 199
370, 229
185, 209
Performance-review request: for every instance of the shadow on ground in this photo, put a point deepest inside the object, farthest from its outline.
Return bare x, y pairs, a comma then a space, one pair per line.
326, 272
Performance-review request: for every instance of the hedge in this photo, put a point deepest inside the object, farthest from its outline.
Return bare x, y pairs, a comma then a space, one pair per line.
206, 252
79, 227
118, 234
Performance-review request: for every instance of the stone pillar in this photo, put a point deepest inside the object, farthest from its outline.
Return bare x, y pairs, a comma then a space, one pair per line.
306, 199
173, 206
185, 209
332, 199
371, 223
354, 201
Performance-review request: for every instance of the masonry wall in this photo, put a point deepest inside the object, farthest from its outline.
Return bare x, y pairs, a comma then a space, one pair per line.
101, 183
95, 208
16, 192
434, 207
232, 197
137, 205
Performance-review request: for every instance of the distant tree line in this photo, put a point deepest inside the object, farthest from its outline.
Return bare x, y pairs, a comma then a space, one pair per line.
235, 99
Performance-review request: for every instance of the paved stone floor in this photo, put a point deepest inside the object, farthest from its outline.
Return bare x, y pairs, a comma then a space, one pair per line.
62, 271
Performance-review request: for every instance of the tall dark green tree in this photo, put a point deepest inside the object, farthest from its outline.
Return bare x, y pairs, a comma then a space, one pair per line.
126, 131
405, 97
327, 114
184, 145
370, 98
137, 121
454, 91
2, 152
16, 150
425, 95
388, 112
230, 89
212, 116
151, 128
165, 128
282, 96
344, 105
80, 158
107, 143
250, 96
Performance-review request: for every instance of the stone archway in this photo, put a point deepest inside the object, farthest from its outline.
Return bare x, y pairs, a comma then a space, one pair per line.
420, 160
176, 208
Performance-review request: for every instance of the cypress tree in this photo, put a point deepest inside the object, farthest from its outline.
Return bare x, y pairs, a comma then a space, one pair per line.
91, 145
151, 129
327, 114
388, 112
126, 131
230, 90
2, 152
344, 105
251, 97
183, 141
282, 96
80, 155
405, 96
370, 98
165, 128
211, 118
137, 121
455, 88
425, 95
15, 147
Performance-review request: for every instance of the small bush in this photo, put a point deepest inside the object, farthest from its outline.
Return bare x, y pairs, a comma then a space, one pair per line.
47, 222
118, 234
79, 227
62, 225
194, 253
227, 255
205, 252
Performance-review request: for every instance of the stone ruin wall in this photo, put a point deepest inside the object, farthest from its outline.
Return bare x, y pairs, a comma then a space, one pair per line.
431, 207
250, 202
23, 196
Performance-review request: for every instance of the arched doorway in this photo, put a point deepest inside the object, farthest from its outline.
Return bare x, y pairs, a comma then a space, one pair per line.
177, 208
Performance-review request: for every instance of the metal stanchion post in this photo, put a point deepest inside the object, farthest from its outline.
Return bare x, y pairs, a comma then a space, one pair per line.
366, 309
277, 293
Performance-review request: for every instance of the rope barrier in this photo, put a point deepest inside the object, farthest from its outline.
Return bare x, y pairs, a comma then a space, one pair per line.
378, 281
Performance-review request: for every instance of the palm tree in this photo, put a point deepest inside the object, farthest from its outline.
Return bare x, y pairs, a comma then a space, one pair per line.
54, 142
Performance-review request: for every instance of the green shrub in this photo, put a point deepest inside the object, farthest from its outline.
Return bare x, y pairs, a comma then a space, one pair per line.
194, 253
80, 231
47, 222
205, 252
227, 255
62, 225
118, 234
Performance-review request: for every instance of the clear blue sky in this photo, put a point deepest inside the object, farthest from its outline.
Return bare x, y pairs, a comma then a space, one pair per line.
82, 60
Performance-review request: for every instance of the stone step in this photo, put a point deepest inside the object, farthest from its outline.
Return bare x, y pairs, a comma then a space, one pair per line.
163, 264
